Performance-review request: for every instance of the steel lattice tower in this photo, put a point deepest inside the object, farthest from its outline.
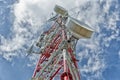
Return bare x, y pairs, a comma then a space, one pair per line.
57, 48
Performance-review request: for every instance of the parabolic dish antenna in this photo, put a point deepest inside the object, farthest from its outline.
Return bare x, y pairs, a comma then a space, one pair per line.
60, 10
78, 29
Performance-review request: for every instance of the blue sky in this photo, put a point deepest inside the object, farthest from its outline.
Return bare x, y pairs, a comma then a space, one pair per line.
20, 25
14, 71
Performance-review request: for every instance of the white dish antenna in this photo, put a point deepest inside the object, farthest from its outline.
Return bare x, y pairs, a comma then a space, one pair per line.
79, 29
60, 10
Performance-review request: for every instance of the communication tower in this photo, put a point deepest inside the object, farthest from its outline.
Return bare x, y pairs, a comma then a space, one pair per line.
57, 48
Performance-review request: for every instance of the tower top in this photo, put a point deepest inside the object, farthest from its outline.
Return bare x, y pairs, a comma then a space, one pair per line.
60, 10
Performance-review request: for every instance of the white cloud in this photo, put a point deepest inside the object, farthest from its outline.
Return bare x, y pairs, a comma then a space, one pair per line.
93, 48
119, 54
38, 9
29, 16
13, 44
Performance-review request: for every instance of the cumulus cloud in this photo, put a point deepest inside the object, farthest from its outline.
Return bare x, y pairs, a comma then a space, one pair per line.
92, 50
119, 54
28, 17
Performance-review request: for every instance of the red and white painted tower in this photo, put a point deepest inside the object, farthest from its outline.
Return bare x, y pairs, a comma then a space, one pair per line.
57, 48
